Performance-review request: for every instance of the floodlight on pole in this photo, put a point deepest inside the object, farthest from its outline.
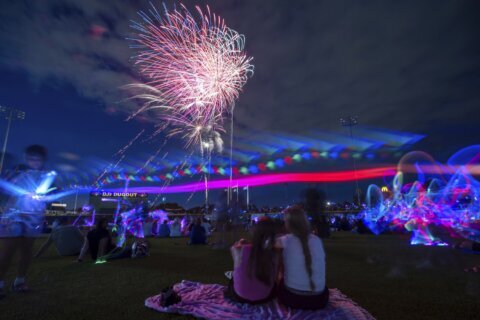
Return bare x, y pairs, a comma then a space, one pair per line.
10, 115
350, 121
76, 198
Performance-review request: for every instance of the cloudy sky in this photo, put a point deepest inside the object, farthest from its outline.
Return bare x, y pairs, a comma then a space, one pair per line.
403, 65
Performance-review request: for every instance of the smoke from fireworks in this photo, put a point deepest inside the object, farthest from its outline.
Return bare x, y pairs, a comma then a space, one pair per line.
194, 70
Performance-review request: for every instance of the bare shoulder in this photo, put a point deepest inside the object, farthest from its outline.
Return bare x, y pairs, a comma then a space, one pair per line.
280, 241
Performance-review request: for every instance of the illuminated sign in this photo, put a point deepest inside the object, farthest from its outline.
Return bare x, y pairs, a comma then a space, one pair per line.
105, 194
385, 189
63, 205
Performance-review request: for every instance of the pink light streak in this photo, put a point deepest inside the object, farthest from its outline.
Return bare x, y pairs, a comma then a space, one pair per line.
271, 179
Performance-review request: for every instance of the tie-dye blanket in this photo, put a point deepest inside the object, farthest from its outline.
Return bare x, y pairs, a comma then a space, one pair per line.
207, 301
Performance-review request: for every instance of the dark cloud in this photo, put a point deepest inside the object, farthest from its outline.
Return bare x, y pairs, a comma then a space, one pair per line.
59, 41
402, 65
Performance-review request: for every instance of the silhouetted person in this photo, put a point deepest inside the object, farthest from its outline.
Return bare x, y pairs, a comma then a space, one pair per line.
314, 200
98, 241
164, 230
198, 235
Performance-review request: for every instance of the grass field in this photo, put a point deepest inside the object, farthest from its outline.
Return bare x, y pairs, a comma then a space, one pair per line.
385, 275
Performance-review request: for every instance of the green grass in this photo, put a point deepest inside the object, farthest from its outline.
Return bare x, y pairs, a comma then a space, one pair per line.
385, 275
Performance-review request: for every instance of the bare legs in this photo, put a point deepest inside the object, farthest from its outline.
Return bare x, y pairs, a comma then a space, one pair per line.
8, 248
26, 247
102, 247
84, 250
7, 251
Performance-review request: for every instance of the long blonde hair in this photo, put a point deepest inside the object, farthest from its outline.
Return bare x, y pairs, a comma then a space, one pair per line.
297, 224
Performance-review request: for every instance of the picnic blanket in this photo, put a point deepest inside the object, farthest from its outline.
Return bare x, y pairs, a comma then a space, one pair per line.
207, 301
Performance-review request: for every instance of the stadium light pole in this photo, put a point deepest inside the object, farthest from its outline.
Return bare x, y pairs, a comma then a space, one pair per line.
10, 115
350, 122
76, 198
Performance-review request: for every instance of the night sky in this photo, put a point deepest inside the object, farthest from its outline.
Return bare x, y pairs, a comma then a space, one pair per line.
411, 66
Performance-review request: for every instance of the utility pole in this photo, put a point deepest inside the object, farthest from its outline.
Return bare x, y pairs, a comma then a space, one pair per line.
349, 122
10, 115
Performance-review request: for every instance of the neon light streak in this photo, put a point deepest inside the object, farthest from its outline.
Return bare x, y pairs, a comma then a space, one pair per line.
45, 185
270, 179
439, 207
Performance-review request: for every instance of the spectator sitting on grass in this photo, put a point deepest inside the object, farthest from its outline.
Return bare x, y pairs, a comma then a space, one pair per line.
147, 228
175, 229
207, 226
186, 226
98, 241
303, 283
163, 230
198, 234
67, 238
255, 266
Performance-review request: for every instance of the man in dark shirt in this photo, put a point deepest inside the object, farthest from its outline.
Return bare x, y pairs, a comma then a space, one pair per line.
98, 241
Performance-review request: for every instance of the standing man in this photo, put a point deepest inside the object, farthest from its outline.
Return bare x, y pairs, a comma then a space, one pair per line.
21, 222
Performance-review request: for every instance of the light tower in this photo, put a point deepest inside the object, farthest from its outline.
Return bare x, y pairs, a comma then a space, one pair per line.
10, 115
350, 121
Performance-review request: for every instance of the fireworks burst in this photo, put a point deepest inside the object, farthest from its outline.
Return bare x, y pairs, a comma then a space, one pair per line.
195, 70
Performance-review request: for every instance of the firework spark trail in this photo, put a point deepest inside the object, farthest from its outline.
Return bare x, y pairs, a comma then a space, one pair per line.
149, 160
109, 168
193, 130
195, 70
120, 153
208, 64
128, 145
